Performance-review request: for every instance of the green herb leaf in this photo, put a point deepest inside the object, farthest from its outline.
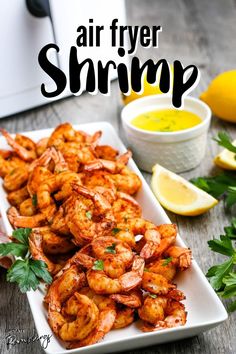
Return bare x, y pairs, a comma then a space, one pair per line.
223, 246
167, 261
88, 215
230, 199
218, 272
15, 249
232, 306
146, 270
22, 235
34, 200
224, 140
217, 186
21, 273
98, 265
111, 249
40, 270
115, 230
153, 296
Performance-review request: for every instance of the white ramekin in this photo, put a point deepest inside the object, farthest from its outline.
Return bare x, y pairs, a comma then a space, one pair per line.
178, 151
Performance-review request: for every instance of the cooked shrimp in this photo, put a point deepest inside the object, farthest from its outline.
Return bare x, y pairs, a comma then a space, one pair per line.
124, 235
27, 208
15, 198
151, 235
152, 309
59, 224
36, 177
106, 152
65, 133
164, 267
62, 133
66, 283
168, 236
85, 313
116, 255
25, 221
127, 181
102, 284
161, 313
124, 318
53, 243
100, 182
88, 215
22, 145
125, 207
102, 246
52, 185
110, 166
106, 319
41, 146
5, 154
181, 256
156, 283
132, 299
37, 252
10, 164
15, 179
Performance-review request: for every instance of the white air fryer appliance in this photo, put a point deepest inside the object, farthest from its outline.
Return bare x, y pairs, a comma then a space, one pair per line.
28, 25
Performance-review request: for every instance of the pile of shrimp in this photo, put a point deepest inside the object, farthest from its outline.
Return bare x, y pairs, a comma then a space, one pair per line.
110, 266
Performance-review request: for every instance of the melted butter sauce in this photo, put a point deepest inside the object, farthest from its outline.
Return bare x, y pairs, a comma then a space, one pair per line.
166, 120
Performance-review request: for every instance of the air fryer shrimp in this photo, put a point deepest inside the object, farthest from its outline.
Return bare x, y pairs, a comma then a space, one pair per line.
103, 246
52, 185
15, 179
151, 235
132, 299
64, 286
85, 313
110, 166
161, 313
106, 152
164, 267
124, 318
15, 198
100, 182
116, 255
18, 220
53, 243
24, 147
156, 283
41, 146
88, 215
27, 208
36, 249
109, 265
125, 207
106, 318
102, 284
180, 256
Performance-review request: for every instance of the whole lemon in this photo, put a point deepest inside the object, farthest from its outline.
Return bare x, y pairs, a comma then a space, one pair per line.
221, 96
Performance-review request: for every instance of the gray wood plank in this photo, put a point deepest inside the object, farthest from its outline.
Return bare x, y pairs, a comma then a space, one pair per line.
197, 31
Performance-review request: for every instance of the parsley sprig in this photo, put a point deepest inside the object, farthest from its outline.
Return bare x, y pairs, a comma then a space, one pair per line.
222, 186
223, 276
223, 139
25, 271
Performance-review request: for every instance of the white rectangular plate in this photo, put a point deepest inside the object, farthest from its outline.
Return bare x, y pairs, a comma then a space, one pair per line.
204, 308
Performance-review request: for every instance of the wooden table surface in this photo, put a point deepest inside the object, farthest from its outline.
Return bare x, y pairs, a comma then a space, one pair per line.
196, 31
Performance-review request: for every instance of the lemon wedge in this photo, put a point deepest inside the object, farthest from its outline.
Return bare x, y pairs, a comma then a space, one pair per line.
178, 195
226, 159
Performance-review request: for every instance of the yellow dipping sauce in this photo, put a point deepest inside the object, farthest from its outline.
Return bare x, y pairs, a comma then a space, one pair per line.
166, 120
